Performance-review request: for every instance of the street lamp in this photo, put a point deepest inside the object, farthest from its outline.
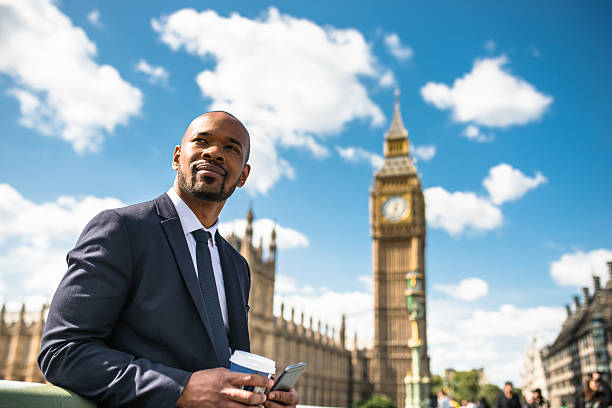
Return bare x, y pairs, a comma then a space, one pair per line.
417, 385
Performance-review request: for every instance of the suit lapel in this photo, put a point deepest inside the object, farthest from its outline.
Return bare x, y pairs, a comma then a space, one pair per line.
176, 237
236, 308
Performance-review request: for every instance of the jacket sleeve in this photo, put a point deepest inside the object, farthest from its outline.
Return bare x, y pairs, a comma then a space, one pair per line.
74, 351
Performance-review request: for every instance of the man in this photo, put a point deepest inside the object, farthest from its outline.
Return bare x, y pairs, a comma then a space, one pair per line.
604, 385
536, 400
154, 298
507, 398
443, 400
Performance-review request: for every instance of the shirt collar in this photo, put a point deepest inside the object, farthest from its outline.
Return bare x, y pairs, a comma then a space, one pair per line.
188, 219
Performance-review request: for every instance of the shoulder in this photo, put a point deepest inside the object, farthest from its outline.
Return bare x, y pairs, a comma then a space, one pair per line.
137, 212
131, 213
121, 220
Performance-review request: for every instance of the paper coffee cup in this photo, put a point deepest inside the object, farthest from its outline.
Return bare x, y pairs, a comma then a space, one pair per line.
245, 362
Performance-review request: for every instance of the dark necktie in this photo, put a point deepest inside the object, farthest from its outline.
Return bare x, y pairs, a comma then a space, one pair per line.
206, 276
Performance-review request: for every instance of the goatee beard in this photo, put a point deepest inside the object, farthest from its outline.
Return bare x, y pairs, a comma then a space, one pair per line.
222, 195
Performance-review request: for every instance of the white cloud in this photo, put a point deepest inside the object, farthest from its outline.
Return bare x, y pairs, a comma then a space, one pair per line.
367, 281
387, 79
357, 154
535, 52
463, 210
474, 134
577, 269
460, 211
291, 81
328, 306
424, 152
464, 338
94, 18
395, 47
510, 320
505, 183
490, 46
35, 238
286, 238
62, 91
469, 289
33, 306
285, 284
154, 73
489, 95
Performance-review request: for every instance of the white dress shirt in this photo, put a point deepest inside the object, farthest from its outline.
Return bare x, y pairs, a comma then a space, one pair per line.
191, 223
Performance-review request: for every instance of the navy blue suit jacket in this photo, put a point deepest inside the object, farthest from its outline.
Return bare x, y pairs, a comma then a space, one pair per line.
128, 324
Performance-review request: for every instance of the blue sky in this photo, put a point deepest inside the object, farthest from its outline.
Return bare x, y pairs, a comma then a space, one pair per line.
506, 105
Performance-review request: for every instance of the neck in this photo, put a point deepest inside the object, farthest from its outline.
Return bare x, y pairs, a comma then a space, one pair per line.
206, 211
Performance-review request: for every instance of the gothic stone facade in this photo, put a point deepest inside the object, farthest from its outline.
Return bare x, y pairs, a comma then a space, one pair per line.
583, 346
20, 334
397, 211
336, 375
532, 373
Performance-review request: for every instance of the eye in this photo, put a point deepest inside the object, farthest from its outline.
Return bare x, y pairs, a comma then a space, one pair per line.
234, 148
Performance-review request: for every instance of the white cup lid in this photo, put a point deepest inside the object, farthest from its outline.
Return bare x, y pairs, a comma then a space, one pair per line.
253, 361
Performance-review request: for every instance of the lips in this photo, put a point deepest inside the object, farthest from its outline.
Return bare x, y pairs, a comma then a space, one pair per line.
208, 168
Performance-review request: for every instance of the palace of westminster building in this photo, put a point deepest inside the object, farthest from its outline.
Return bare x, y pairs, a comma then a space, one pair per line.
338, 373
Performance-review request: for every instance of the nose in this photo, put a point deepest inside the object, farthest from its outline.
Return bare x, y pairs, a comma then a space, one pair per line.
213, 152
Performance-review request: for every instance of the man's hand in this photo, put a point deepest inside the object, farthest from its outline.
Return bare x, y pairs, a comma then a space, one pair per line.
279, 399
219, 387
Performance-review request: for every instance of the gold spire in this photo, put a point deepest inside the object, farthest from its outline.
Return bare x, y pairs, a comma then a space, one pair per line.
397, 129
396, 138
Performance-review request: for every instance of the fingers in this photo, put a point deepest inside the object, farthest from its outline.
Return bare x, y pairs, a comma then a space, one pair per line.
221, 388
279, 399
243, 396
241, 379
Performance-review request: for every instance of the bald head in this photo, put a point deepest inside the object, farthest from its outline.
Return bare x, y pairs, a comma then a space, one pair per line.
218, 119
212, 158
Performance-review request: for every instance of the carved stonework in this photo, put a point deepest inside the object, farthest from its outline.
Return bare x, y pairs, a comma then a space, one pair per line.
398, 230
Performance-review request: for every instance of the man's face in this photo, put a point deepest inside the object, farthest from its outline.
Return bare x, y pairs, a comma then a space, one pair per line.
210, 162
508, 389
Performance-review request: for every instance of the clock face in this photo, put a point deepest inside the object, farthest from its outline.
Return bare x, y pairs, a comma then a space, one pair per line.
395, 208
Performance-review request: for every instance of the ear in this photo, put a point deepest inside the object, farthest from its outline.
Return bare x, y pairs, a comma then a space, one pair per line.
245, 174
175, 157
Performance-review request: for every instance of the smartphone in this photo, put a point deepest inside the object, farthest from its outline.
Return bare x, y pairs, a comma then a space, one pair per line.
288, 377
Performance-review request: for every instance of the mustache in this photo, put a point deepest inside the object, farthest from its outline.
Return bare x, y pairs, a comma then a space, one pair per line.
206, 165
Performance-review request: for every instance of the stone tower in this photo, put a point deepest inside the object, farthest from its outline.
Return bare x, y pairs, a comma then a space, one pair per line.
262, 271
397, 216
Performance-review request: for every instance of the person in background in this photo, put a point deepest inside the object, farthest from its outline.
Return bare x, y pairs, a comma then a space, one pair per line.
591, 396
433, 400
604, 385
483, 403
443, 400
537, 401
528, 401
507, 398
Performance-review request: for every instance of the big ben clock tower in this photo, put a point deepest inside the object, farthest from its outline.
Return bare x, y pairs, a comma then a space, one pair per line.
400, 363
